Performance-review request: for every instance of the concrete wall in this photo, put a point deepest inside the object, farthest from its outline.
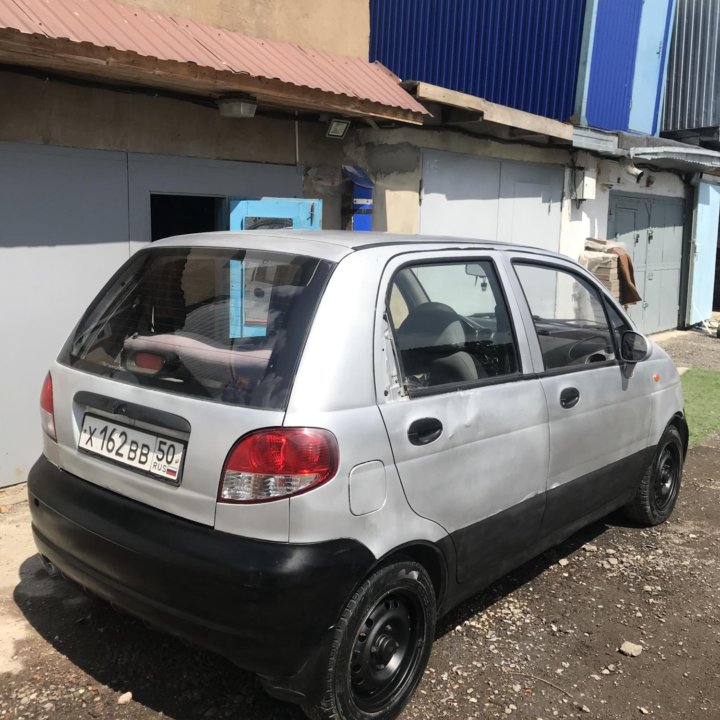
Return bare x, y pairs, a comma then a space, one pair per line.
337, 26
590, 218
393, 158
59, 113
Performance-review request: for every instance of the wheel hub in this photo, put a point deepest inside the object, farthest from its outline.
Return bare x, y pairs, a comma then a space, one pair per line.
384, 649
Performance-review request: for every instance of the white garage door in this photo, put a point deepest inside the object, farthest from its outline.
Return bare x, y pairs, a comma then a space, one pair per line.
470, 196
69, 218
63, 231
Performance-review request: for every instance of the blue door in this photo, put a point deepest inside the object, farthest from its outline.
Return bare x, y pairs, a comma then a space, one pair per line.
274, 213
650, 65
704, 247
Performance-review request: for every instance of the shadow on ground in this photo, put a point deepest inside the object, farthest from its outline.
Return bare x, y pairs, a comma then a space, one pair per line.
184, 682
123, 654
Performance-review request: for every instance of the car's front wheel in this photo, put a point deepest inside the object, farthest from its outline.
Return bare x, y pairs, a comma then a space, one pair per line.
380, 646
659, 488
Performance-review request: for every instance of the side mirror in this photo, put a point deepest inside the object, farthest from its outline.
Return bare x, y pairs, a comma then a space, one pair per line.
634, 347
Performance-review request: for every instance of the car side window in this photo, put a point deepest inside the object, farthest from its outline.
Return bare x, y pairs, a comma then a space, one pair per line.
452, 326
569, 317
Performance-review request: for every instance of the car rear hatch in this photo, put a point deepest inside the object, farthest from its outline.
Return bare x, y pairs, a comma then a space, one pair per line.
184, 351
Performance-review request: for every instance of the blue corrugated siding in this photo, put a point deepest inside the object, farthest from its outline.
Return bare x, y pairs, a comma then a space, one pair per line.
613, 64
520, 53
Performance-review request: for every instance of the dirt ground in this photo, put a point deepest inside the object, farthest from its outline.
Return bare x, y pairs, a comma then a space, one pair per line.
692, 348
542, 643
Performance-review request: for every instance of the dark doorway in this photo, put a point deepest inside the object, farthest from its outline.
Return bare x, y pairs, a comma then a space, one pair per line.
182, 214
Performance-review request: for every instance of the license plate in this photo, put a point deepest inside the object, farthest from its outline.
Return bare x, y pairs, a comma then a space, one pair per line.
144, 451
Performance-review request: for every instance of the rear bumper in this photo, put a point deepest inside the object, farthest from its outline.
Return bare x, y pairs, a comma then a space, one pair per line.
266, 606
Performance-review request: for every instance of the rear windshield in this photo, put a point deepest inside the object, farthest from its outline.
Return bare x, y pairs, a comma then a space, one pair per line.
226, 325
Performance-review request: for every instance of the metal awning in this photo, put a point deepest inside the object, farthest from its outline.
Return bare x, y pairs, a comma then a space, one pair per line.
102, 39
693, 159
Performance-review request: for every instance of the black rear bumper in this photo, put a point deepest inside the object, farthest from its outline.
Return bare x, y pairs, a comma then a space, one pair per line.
266, 606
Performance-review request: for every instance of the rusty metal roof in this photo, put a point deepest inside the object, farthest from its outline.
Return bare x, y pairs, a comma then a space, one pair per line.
166, 38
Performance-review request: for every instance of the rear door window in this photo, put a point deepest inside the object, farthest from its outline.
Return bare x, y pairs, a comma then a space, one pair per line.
451, 324
223, 324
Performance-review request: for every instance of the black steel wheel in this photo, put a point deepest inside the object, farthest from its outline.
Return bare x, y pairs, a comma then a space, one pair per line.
660, 486
380, 647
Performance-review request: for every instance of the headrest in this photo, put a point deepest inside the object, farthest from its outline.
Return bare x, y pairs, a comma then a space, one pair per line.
431, 324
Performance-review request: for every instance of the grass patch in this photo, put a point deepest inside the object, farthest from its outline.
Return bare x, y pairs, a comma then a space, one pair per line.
702, 403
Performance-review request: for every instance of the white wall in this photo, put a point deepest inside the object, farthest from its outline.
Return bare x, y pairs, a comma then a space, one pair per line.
590, 217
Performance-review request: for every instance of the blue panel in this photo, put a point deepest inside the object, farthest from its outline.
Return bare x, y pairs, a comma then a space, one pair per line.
273, 213
650, 64
237, 295
520, 53
362, 213
612, 66
707, 210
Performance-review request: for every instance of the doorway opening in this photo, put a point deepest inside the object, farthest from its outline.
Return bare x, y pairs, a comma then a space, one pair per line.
182, 214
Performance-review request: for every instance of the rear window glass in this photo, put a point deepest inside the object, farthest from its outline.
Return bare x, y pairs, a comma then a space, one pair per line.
227, 325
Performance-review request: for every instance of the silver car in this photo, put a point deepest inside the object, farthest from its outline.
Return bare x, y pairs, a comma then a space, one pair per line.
301, 449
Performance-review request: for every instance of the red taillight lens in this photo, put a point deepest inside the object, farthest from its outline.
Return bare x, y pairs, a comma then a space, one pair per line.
276, 463
47, 407
150, 362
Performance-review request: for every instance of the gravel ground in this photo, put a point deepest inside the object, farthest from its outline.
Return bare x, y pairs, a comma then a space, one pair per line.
691, 348
541, 644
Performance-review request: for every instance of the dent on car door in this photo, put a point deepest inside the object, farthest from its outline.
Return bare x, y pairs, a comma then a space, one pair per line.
468, 429
599, 418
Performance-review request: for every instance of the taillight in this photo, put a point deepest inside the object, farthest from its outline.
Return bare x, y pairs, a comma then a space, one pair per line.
47, 408
277, 463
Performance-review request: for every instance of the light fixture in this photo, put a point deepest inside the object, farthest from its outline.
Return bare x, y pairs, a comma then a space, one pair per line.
237, 107
633, 171
337, 128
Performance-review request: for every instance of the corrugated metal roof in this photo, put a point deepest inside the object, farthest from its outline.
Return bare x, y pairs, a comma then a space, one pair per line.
693, 86
107, 24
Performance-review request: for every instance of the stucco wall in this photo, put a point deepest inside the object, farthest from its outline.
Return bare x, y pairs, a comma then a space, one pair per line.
338, 26
393, 158
53, 112
590, 217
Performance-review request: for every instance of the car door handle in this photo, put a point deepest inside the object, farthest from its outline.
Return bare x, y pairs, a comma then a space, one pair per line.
424, 431
569, 397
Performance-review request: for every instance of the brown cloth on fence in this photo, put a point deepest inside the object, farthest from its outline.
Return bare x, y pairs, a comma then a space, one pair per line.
628, 292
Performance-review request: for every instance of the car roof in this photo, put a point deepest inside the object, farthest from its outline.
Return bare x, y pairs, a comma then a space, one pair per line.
336, 244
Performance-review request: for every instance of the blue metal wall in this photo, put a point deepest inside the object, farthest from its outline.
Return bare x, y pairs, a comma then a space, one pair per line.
520, 53
622, 80
613, 64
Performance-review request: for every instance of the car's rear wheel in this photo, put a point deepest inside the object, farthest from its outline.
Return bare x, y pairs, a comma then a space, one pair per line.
659, 488
380, 646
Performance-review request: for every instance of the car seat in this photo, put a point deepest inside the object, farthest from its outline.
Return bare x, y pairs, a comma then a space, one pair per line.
432, 342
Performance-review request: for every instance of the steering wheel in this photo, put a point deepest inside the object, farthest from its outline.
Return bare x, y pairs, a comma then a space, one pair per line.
573, 353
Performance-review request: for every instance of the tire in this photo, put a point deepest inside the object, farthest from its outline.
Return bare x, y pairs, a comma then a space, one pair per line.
380, 646
659, 488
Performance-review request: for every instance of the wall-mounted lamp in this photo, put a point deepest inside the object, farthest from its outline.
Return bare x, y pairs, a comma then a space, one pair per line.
237, 107
630, 169
337, 128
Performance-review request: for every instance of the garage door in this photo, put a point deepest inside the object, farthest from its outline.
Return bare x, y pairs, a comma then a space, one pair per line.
64, 230
470, 196
69, 218
651, 230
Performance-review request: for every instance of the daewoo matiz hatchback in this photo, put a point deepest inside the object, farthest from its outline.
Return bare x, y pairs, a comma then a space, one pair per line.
299, 450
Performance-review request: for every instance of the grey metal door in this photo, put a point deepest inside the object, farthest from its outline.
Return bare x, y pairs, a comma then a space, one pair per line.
479, 197
651, 229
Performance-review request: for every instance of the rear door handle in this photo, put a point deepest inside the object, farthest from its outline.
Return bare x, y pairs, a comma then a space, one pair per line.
569, 397
424, 431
